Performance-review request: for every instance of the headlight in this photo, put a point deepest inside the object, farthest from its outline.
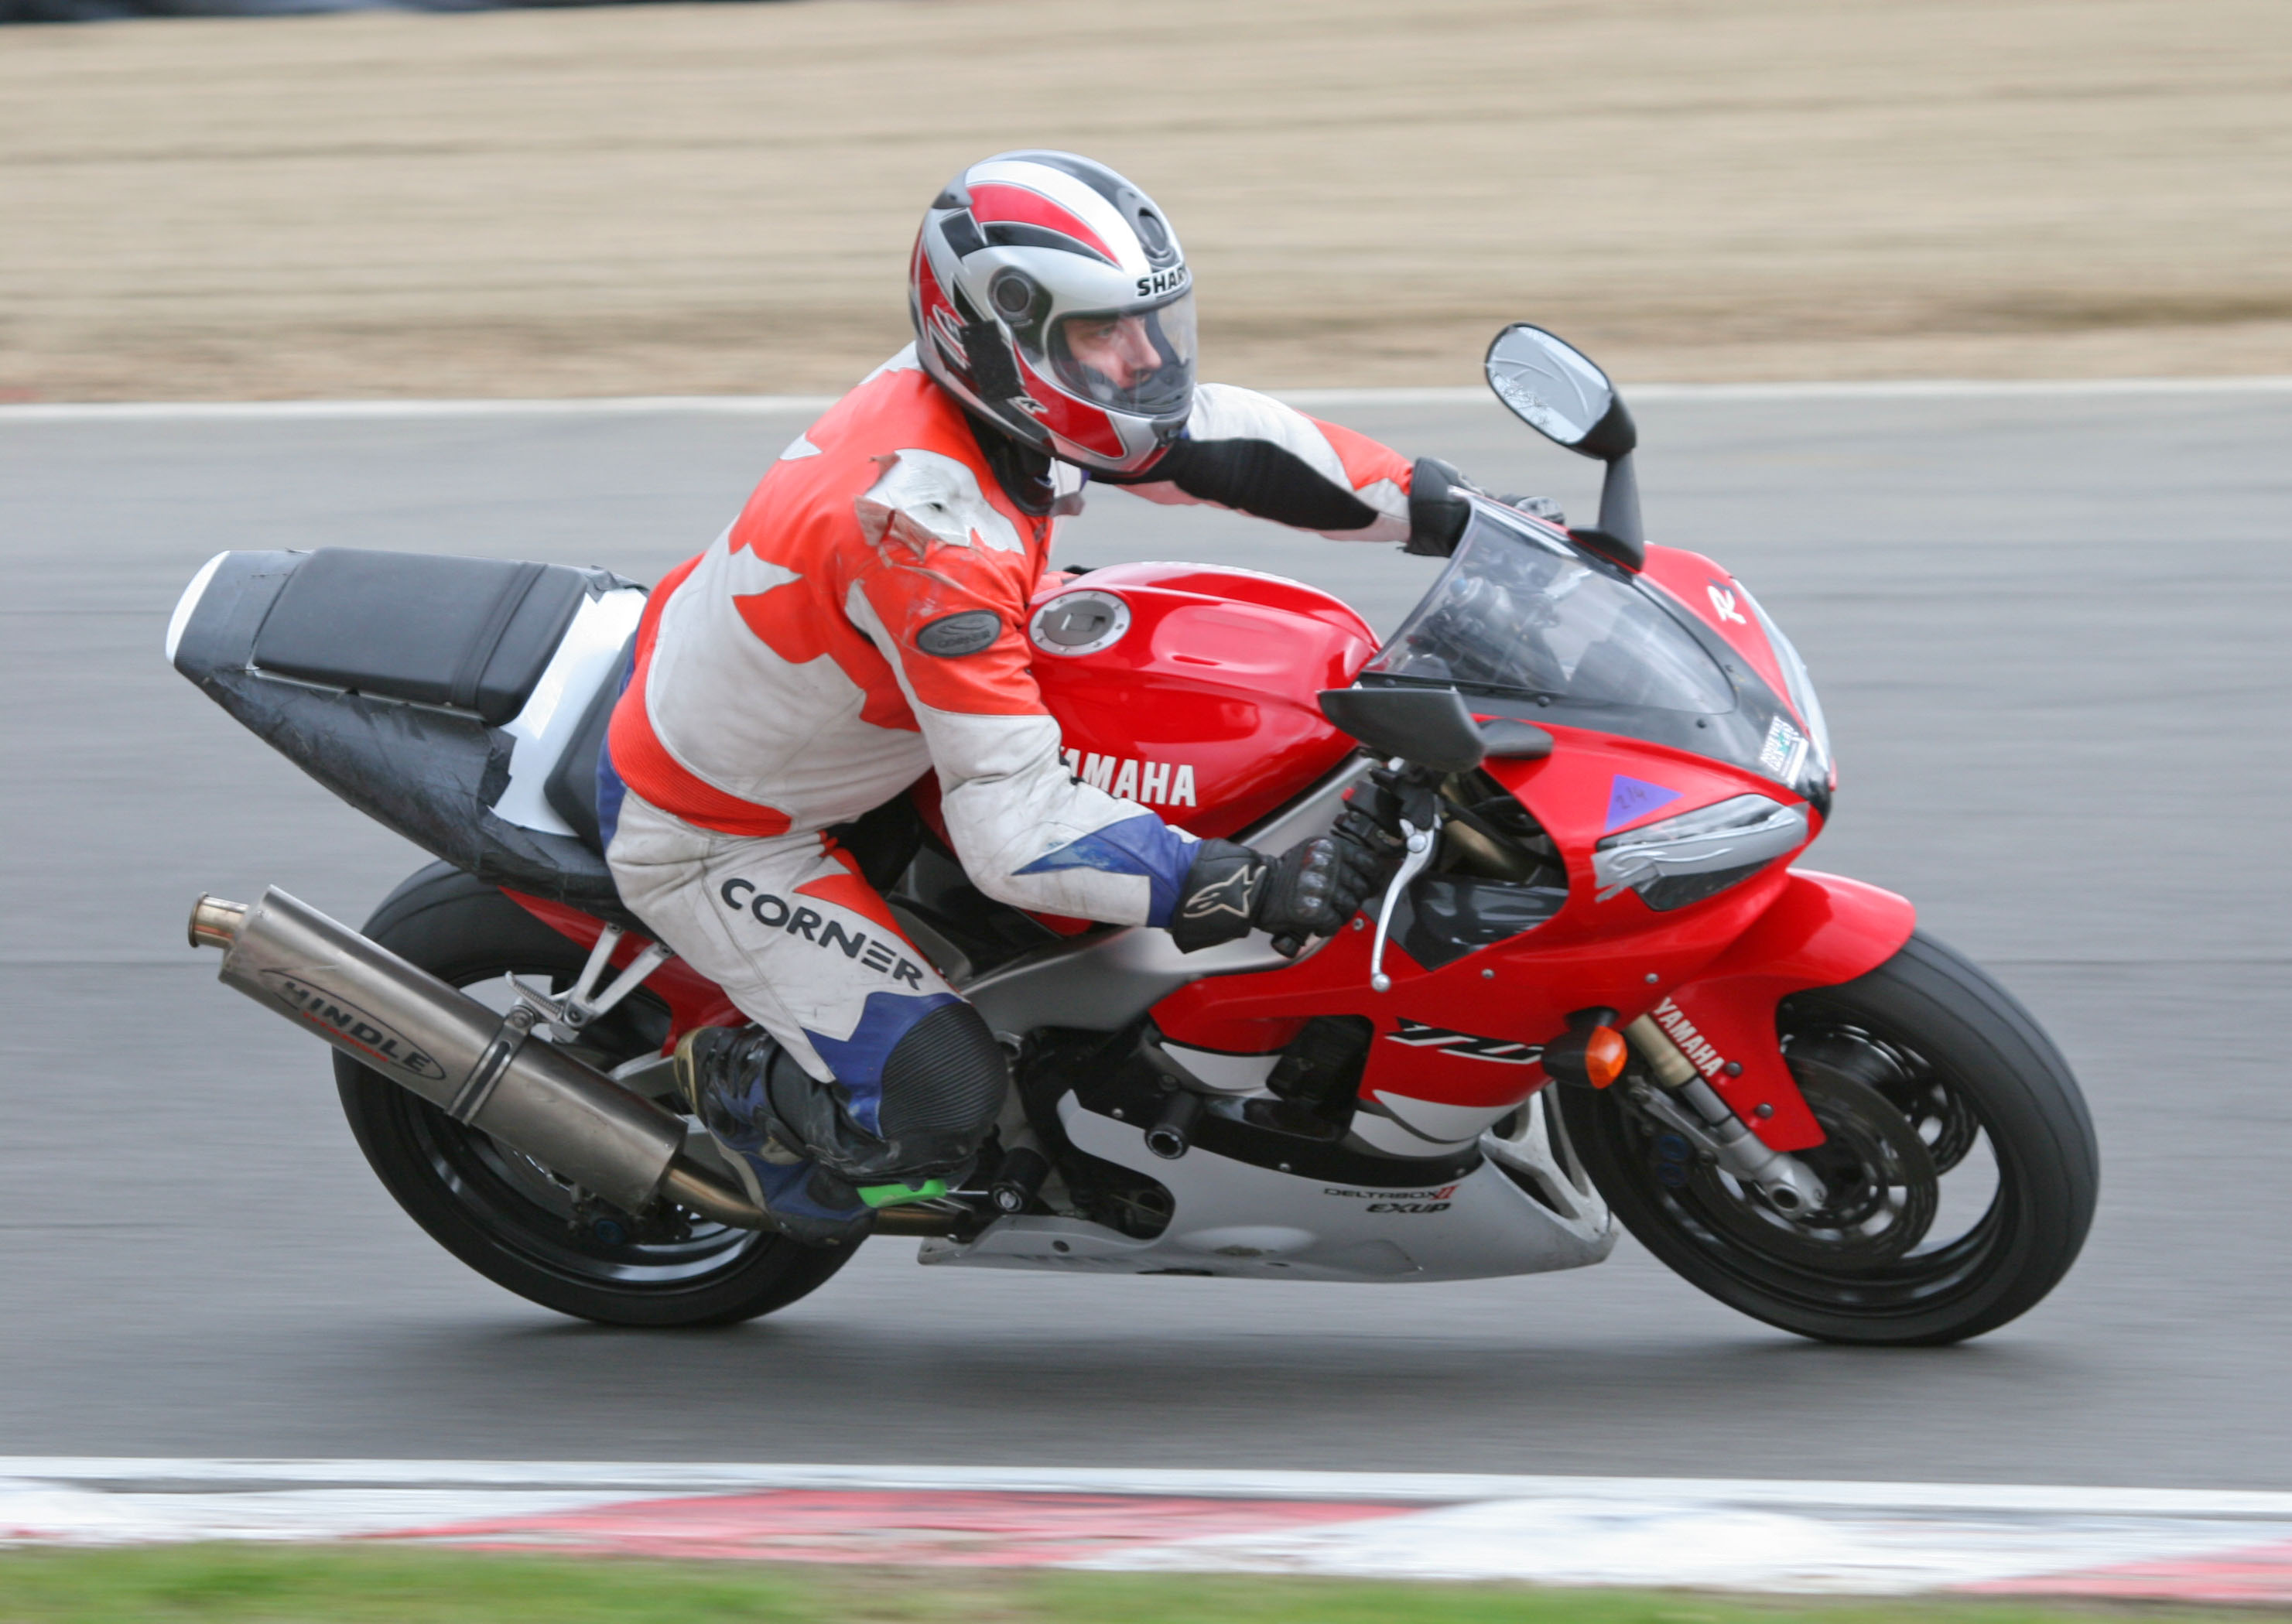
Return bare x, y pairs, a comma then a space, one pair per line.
1699, 853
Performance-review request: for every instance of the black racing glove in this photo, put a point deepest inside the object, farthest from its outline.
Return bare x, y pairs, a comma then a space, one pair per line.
1438, 512
1310, 890
1373, 809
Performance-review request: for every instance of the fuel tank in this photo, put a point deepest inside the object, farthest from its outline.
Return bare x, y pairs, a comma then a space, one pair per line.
1191, 688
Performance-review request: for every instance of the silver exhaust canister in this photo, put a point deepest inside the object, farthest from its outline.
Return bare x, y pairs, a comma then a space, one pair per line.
472, 1063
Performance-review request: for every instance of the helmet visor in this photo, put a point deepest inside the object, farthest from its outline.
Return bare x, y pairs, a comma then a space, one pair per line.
1139, 360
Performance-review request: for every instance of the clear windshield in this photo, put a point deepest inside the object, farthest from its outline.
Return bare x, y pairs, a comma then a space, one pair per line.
1521, 611
1544, 630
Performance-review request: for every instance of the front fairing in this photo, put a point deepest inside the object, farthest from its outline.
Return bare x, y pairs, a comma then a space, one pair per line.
1665, 693
1528, 624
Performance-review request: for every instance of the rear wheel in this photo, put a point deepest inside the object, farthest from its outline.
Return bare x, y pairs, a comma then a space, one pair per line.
504, 1213
1960, 1165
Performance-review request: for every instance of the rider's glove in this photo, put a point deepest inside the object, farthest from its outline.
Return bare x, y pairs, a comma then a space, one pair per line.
1438, 512
1373, 812
1310, 890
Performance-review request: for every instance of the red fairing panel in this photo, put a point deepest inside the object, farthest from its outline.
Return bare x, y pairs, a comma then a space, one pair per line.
1821, 930
692, 999
1205, 709
1712, 971
1715, 597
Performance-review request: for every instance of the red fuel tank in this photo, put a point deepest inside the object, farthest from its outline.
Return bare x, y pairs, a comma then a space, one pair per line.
1191, 688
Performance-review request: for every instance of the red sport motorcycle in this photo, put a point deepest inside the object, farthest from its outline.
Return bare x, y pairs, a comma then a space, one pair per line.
1597, 988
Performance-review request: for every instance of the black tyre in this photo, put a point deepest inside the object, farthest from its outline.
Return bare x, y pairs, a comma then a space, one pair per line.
504, 1215
1961, 1165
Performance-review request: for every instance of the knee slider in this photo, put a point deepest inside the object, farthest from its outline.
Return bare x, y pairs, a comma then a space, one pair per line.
943, 1085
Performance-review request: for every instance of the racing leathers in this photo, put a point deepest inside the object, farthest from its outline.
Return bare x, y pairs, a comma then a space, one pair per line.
863, 624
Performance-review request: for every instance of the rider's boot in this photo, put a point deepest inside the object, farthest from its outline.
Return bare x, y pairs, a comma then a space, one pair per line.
755, 1101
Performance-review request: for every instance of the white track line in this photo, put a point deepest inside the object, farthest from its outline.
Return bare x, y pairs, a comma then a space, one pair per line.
766, 406
1718, 1533
655, 1478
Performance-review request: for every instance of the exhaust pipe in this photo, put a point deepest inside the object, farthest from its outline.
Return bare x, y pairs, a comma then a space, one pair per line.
469, 1062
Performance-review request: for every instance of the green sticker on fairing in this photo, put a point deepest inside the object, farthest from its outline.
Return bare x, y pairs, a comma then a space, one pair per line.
899, 1195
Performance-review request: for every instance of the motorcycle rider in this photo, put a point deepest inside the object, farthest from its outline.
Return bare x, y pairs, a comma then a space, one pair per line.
864, 621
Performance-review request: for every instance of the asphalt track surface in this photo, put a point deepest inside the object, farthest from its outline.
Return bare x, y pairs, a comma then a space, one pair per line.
2052, 633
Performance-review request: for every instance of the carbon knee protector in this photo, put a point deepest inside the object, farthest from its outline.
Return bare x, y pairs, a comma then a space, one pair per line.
941, 1091
943, 1087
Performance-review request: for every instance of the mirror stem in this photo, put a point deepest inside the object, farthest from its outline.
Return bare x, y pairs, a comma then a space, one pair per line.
1619, 503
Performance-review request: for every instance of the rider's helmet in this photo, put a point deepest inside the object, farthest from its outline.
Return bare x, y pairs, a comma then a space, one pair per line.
1050, 296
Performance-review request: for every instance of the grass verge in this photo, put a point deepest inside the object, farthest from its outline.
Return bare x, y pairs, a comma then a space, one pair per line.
225, 1584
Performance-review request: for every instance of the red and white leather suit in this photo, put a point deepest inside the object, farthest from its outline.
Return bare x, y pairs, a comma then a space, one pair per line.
786, 681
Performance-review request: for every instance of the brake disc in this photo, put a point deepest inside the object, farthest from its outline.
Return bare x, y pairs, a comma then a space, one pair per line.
1937, 1113
1884, 1187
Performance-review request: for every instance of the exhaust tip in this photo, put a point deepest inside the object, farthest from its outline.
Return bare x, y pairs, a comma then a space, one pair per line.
215, 923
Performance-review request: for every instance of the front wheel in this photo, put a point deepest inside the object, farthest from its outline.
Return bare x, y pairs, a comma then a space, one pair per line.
1960, 1165
505, 1215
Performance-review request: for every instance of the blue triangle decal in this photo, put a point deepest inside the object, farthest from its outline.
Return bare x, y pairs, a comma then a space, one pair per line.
1630, 799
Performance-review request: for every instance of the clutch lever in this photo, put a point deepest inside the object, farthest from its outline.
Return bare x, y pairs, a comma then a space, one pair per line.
1420, 855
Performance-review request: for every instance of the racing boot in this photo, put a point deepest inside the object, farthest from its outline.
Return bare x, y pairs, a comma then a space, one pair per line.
729, 1078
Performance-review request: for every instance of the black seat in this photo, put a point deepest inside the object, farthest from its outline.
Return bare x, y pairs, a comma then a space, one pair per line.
472, 633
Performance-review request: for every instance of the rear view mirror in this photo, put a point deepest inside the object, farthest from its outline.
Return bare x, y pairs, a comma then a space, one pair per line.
1555, 390
1429, 726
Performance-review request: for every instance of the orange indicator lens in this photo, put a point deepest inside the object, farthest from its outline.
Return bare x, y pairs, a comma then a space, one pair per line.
1605, 1052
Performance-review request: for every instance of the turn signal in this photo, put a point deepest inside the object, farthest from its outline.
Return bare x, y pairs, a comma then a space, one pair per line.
1589, 1056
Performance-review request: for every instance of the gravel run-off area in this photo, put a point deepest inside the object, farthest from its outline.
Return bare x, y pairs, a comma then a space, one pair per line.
671, 199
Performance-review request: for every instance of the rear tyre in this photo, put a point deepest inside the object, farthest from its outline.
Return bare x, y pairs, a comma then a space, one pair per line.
1961, 1165
503, 1213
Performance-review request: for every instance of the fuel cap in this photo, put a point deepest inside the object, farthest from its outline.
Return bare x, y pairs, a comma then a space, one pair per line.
1079, 623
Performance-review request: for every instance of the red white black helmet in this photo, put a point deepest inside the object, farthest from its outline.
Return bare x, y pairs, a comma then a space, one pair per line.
1050, 296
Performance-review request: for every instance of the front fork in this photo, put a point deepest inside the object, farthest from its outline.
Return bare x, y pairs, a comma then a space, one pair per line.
1684, 1102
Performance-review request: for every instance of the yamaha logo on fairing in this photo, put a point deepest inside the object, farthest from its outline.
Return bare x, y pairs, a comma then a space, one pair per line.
1691, 1043
1163, 282
1150, 783
810, 925
346, 1023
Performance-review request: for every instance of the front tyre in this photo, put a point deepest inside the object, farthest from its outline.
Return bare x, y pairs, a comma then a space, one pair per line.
1961, 1165
504, 1215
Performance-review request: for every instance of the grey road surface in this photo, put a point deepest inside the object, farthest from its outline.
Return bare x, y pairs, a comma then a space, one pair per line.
2052, 633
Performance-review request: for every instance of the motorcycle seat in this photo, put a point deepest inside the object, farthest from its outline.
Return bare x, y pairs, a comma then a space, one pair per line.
468, 634
401, 682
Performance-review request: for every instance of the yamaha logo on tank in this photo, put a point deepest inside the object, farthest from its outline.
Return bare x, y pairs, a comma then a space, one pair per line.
345, 1023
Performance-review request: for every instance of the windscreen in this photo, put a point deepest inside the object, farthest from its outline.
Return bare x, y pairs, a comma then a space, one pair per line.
1520, 611
1532, 626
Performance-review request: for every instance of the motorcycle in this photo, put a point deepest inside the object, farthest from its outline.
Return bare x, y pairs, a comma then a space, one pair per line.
1597, 991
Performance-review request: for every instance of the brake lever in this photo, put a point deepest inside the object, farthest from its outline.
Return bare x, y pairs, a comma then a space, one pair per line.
1420, 856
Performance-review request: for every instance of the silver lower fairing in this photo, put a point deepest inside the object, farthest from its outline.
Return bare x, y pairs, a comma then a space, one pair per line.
1235, 1219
